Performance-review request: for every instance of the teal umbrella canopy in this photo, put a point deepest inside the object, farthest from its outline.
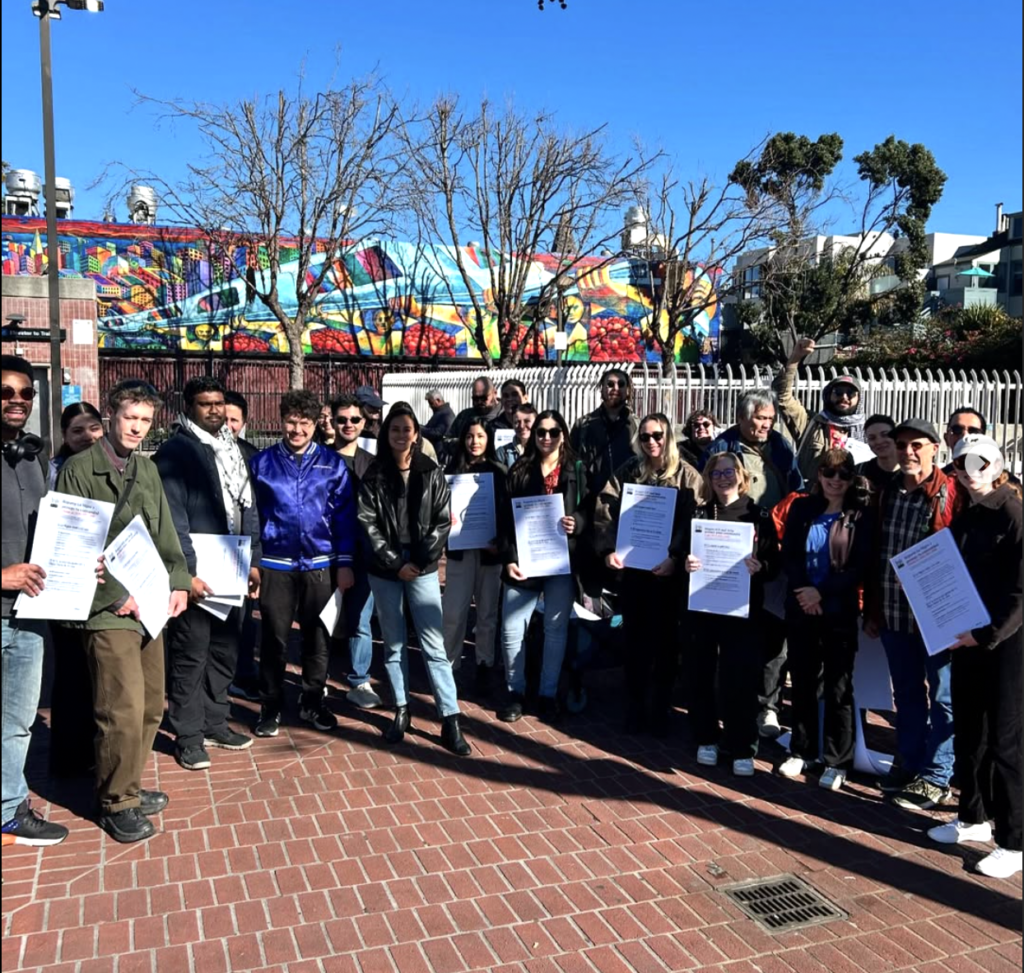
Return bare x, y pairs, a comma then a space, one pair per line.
975, 272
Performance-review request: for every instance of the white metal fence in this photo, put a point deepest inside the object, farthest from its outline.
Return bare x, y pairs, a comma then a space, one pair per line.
902, 394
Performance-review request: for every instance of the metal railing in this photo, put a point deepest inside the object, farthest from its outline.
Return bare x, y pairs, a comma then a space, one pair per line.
901, 394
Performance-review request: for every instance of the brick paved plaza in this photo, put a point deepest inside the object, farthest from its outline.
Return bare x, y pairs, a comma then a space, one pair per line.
571, 849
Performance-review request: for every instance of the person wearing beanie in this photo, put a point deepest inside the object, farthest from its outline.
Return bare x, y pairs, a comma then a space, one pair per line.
986, 662
840, 420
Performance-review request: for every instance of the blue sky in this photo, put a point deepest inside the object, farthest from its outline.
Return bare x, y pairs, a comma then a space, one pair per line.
703, 81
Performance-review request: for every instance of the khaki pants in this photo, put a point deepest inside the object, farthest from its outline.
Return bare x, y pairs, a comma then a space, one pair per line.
128, 701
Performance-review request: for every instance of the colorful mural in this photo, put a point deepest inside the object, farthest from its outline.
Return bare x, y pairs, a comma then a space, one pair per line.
162, 290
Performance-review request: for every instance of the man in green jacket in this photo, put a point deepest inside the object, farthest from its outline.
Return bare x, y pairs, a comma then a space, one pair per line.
127, 666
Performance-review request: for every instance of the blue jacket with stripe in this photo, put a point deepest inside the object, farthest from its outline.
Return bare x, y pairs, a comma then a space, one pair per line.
307, 508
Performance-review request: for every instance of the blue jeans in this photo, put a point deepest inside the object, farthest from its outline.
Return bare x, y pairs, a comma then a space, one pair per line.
358, 603
22, 681
924, 706
423, 595
518, 607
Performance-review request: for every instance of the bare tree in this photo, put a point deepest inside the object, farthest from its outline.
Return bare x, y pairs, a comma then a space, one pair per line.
295, 178
514, 185
697, 229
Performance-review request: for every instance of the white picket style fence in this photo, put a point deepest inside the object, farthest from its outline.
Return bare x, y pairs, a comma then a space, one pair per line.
903, 394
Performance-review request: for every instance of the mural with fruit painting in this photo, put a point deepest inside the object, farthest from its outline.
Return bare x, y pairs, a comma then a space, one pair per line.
168, 290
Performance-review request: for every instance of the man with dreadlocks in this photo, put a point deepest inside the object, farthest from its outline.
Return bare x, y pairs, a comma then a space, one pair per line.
839, 421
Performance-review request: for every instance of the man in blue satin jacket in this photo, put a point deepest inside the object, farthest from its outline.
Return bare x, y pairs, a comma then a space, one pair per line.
308, 536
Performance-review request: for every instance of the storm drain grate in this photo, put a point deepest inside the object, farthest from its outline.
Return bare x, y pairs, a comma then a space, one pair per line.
783, 903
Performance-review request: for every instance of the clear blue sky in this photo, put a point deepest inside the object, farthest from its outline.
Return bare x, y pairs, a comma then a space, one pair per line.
704, 81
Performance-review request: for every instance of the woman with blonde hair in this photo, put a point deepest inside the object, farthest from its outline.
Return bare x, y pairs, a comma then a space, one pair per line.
729, 643
649, 598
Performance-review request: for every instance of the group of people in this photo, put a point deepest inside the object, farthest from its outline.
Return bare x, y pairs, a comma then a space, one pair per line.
355, 500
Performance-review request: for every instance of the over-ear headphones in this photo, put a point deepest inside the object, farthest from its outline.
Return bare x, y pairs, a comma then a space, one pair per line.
26, 446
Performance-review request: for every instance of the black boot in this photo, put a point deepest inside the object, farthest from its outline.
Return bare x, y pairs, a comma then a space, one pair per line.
452, 738
396, 732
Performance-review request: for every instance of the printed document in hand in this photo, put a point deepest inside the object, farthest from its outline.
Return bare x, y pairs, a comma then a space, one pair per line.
542, 542
222, 561
133, 559
645, 525
722, 585
941, 593
502, 437
69, 538
473, 520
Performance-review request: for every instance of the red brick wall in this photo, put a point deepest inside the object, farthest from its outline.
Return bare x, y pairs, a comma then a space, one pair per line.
83, 360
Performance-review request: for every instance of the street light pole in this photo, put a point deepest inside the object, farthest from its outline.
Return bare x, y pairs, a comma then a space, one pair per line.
52, 247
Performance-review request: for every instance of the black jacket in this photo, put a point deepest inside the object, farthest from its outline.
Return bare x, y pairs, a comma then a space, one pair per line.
603, 444
839, 591
572, 484
501, 500
437, 426
988, 534
430, 519
188, 469
766, 540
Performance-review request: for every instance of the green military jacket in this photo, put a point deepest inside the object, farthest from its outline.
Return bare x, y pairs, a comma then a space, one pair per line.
92, 474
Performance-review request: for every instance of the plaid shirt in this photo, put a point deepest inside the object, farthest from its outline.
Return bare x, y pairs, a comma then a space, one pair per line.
907, 519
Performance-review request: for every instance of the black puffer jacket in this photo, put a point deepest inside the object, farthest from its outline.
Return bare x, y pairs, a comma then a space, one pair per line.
572, 484
430, 519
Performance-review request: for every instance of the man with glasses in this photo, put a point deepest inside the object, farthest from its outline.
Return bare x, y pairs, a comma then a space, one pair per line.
485, 406
603, 440
915, 504
24, 484
206, 479
358, 601
372, 407
839, 420
699, 433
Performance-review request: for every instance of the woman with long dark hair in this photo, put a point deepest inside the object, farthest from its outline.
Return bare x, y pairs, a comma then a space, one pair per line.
653, 633
405, 513
729, 645
475, 575
72, 727
826, 548
987, 662
548, 466
80, 426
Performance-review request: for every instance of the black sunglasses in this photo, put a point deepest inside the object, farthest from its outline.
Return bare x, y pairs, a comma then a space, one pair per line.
960, 464
830, 473
544, 433
961, 430
646, 437
347, 420
26, 394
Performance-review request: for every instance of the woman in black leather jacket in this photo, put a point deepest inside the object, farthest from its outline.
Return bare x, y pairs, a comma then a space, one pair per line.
404, 510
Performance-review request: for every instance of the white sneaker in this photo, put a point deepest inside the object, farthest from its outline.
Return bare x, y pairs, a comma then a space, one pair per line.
768, 724
955, 831
1000, 863
832, 778
792, 766
708, 756
364, 697
744, 767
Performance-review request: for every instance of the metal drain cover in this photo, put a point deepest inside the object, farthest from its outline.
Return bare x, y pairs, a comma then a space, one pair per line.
783, 903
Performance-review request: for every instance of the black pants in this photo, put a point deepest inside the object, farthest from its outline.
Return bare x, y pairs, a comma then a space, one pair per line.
72, 725
286, 596
986, 688
734, 648
773, 675
651, 625
822, 650
246, 669
202, 652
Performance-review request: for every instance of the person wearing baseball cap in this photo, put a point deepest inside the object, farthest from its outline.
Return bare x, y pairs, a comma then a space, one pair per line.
986, 667
372, 406
839, 421
919, 501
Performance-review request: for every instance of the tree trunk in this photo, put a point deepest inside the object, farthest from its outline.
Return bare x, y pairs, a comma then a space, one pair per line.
296, 356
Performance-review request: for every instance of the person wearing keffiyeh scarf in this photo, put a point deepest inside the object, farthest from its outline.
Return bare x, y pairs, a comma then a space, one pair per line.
839, 422
206, 481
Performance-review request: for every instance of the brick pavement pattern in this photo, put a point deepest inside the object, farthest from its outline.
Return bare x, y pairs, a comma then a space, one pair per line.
552, 850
